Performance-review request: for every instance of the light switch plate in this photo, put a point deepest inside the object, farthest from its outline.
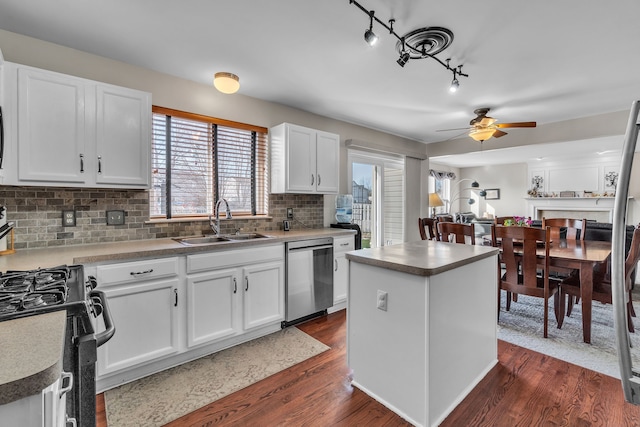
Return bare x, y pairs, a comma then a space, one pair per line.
115, 217
68, 218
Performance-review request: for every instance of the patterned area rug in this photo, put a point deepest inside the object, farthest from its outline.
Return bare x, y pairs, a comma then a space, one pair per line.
168, 395
523, 326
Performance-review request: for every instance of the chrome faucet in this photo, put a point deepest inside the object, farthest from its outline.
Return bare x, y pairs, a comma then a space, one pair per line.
215, 226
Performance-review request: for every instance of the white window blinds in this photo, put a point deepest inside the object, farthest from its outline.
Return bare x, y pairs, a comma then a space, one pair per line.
197, 160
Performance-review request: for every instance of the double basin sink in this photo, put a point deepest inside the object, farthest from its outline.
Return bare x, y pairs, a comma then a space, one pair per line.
213, 239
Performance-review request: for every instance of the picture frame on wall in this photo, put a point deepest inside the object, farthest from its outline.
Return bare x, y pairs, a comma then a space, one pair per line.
492, 193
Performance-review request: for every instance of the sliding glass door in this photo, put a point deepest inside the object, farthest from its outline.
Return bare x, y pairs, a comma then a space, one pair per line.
377, 186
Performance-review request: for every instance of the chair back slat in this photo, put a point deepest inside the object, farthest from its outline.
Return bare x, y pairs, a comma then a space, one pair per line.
574, 228
427, 228
632, 259
456, 231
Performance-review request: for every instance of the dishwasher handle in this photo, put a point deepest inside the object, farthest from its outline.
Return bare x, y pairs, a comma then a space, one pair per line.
309, 244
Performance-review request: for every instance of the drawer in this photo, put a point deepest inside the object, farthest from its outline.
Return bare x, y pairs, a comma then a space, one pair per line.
137, 271
232, 258
344, 244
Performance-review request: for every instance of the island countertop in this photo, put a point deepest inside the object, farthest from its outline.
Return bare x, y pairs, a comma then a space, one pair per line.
423, 257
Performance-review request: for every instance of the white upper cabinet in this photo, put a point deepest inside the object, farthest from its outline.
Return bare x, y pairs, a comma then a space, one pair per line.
62, 130
304, 160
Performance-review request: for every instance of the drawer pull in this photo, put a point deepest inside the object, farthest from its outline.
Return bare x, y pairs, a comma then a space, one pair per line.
345, 244
138, 273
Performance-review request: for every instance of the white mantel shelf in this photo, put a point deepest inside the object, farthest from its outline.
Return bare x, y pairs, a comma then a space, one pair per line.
579, 206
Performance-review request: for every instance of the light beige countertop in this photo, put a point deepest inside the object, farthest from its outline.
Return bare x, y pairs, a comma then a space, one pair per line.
28, 259
422, 258
31, 352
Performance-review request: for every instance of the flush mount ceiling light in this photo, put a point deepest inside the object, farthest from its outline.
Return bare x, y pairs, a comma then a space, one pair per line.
226, 82
417, 44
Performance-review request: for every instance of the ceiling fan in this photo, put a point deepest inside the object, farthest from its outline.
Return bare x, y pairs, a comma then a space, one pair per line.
484, 127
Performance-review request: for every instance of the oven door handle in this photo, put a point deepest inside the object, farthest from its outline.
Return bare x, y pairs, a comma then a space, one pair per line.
110, 328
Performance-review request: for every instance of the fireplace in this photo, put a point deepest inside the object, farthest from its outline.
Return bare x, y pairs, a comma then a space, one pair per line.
592, 208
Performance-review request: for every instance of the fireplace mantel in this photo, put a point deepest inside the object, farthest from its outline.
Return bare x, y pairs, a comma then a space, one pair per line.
596, 208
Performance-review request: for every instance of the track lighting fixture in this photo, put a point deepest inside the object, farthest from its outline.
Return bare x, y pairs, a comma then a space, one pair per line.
417, 44
404, 58
455, 84
369, 36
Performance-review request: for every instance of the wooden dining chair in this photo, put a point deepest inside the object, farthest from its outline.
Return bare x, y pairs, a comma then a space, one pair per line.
456, 232
602, 281
567, 228
427, 228
518, 247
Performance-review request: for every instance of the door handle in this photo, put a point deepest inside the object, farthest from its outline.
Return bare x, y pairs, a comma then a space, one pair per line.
99, 164
1, 138
235, 285
335, 261
81, 163
175, 292
247, 281
312, 177
318, 179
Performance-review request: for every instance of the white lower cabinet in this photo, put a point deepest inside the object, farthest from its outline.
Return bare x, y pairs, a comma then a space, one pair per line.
143, 298
212, 306
233, 292
341, 245
263, 297
168, 311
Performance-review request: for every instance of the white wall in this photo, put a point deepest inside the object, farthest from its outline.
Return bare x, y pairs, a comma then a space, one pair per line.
186, 95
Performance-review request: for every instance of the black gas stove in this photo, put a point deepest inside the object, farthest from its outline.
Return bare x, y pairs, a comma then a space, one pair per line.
43, 290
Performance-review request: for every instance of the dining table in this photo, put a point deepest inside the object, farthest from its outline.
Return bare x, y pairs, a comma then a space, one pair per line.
581, 255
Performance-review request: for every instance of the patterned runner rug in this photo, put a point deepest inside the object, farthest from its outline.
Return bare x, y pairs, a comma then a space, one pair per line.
163, 397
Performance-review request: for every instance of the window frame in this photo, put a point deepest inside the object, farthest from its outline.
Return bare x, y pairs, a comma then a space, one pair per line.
259, 181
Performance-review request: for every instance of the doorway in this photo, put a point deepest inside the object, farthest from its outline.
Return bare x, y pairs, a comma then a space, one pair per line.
376, 183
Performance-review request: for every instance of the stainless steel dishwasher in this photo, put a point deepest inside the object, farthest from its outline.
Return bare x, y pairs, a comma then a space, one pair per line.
309, 279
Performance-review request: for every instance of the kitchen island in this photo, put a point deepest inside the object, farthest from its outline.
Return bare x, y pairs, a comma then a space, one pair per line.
421, 324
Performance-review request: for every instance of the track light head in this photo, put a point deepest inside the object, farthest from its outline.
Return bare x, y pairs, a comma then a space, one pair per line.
454, 86
482, 193
370, 37
404, 58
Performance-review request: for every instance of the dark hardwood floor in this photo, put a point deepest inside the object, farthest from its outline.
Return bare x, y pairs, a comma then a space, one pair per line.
526, 388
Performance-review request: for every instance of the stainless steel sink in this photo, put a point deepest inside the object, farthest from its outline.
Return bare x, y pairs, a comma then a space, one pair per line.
200, 240
244, 236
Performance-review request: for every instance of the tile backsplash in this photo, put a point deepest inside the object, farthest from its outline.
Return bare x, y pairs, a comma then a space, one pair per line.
37, 214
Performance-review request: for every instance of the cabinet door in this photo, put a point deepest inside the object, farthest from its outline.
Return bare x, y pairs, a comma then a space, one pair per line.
211, 306
145, 317
301, 159
327, 163
123, 137
51, 127
263, 294
340, 278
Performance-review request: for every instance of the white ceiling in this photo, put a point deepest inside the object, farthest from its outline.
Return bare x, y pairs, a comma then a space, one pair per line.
544, 61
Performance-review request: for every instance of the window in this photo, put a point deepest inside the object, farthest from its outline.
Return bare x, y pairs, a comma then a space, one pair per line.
197, 160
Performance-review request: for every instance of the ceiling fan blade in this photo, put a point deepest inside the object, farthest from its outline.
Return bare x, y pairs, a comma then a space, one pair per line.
516, 125
498, 133
447, 130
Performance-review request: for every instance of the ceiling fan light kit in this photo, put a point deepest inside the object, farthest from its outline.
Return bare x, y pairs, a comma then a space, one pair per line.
421, 43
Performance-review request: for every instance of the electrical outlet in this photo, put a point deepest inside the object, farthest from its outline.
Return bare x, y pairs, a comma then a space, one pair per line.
68, 218
290, 213
382, 300
115, 217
